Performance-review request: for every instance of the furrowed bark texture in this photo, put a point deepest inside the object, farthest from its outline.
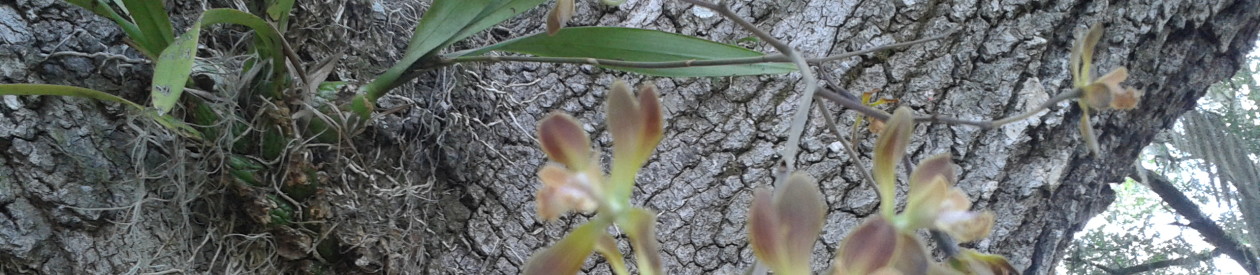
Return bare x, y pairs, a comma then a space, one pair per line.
722, 137
71, 202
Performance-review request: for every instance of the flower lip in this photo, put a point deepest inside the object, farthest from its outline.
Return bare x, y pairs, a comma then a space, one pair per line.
564, 190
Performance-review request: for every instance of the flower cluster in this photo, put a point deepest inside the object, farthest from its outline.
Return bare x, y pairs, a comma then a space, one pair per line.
784, 225
1105, 91
574, 182
1102, 93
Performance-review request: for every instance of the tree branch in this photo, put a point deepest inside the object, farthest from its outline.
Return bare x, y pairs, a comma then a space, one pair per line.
1210, 231
844, 98
1151, 266
848, 148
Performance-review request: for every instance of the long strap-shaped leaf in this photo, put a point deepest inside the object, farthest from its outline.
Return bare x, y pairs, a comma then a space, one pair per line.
446, 22
633, 44
150, 16
133, 32
175, 64
61, 90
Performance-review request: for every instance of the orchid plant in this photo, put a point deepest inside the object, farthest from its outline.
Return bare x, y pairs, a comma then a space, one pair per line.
574, 182
1102, 93
784, 223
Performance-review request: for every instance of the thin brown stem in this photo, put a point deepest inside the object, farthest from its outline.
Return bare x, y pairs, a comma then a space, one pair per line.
807, 75
293, 58
848, 148
853, 104
817, 61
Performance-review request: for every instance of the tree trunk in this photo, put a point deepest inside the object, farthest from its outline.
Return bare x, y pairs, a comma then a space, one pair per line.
472, 128
71, 200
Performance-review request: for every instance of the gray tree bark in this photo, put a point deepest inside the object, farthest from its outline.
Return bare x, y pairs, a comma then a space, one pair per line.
469, 134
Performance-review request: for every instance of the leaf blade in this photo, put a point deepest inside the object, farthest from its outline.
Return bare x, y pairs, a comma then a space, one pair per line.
150, 17
174, 65
61, 90
633, 44
444, 20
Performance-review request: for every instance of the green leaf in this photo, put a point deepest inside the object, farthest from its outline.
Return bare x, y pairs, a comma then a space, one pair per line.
102, 8
446, 22
60, 90
150, 17
495, 14
567, 256
278, 11
632, 44
175, 63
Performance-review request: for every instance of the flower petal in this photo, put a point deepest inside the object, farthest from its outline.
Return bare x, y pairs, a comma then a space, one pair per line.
875, 126
924, 205
636, 126
1128, 100
1083, 55
764, 232
653, 118
889, 149
1100, 93
939, 165
567, 256
870, 247
607, 246
955, 200
640, 225
1087, 133
979, 263
560, 14
623, 118
1114, 77
912, 257
564, 141
1088, 44
1097, 95
966, 226
800, 209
